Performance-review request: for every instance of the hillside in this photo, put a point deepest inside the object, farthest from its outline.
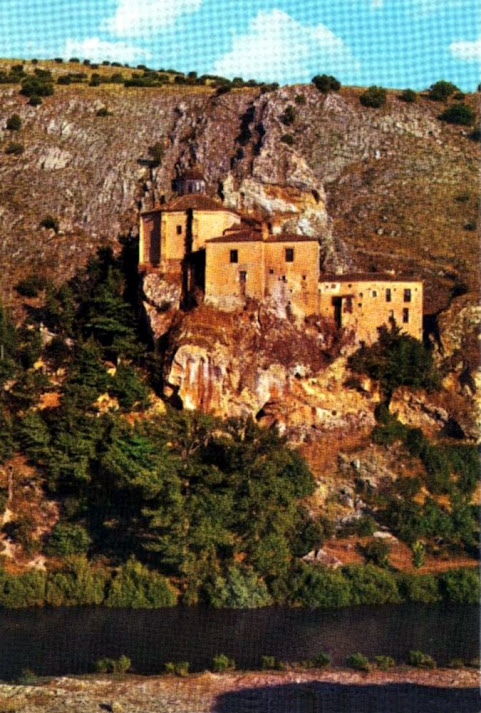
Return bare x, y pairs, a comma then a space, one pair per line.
118, 407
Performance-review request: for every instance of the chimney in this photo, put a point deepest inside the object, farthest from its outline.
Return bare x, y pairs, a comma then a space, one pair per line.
265, 228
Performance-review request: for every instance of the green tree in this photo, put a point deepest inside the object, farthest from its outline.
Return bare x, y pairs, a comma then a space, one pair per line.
396, 359
374, 97
440, 91
418, 551
458, 114
14, 122
326, 83
137, 587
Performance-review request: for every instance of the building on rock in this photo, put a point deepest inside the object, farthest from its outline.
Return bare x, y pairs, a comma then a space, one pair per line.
231, 258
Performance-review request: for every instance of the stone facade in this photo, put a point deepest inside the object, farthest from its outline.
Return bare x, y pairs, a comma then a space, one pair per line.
363, 303
253, 264
232, 259
171, 231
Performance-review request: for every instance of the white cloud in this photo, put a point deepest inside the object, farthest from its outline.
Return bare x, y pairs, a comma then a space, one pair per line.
466, 51
278, 48
376, 4
139, 18
97, 50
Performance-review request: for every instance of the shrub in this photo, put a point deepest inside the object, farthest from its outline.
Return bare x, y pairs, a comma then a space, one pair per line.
396, 359
461, 586
221, 663
289, 115
374, 97
103, 111
181, 668
420, 659
370, 585
40, 85
326, 83
318, 587
108, 665
223, 89
137, 587
287, 139
28, 678
321, 660
156, 153
408, 95
58, 60
50, 223
268, 663
458, 114
14, 148
300, 99
475, 135
14, 122
440, 91
68, 539
35, 100
31, 285
74, 60
384, 663
376, 552
76, 584
418, 551
358, 662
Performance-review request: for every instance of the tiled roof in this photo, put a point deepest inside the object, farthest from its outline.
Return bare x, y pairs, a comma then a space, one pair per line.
367, 277
194, 174
291, 238
239, 236
190, 201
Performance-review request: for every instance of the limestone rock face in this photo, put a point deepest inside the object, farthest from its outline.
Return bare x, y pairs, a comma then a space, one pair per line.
457, 354
253, 364
161, 300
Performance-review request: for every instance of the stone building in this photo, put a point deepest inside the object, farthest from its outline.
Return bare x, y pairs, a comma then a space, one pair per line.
252, 263
363, 302
231, 258
174, 231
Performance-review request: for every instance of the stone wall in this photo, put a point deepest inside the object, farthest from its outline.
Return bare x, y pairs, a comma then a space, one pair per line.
363, 305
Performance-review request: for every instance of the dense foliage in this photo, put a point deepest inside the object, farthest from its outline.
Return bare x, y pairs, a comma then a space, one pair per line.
183, 506
326, 83
396, 359
373, 97
442, 90
458, 114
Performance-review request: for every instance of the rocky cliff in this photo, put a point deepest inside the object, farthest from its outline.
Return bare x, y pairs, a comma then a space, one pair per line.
391, 188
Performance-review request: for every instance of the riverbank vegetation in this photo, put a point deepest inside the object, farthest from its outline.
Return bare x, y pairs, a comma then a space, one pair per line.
155, 508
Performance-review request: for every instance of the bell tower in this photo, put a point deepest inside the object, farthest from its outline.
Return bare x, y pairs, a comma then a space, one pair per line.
191, 181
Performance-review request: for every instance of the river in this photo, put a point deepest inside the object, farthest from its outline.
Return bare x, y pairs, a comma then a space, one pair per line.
69, 640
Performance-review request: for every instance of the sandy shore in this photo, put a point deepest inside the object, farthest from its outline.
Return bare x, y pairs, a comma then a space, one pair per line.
404, 690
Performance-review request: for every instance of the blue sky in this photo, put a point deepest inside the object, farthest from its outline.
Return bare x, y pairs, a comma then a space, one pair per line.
393, 43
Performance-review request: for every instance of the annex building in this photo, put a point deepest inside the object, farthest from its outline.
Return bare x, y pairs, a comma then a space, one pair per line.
231, 258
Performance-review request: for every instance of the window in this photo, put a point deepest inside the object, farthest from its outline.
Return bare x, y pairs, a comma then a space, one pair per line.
234, 256
407, 295
374, 293
243, 276
271, 271
179, 230
405, 315
391, 314
289, 254
388, 294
